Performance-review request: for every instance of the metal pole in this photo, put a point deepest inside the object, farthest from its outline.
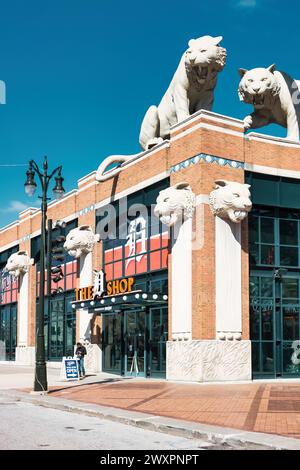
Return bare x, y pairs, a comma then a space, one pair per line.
40, 378
49, 259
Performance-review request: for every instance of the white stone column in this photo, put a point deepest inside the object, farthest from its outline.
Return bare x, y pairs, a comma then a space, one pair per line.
93, 359
86, 279
228, 279
182, 281
23, 309
25, 355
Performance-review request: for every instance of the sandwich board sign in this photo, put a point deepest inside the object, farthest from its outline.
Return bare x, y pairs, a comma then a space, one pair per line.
70, 368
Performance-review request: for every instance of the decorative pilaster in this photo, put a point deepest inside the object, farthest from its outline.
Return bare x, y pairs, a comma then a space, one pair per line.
79, 244
182, 281
175, 207
230, 203
18, 266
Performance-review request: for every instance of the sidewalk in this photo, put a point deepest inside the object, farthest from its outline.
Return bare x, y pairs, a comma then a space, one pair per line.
249, 409
259, 407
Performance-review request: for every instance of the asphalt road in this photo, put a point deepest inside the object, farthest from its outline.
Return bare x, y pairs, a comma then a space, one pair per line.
30, 427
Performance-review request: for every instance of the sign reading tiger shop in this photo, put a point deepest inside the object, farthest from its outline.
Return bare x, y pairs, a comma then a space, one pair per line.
102, 287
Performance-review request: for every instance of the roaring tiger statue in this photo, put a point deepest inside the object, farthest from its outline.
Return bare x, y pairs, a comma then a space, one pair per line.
230, 200
191, 89
275, 97
175, 204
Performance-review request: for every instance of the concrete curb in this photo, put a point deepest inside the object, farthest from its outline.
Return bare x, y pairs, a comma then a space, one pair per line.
215, 435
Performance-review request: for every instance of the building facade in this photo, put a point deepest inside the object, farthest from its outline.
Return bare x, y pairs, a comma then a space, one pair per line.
206, 299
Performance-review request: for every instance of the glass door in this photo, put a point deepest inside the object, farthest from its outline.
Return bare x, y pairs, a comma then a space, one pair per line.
8, 332
112, 343
288, 327
274, 324
56, 329
158, 337
135, 338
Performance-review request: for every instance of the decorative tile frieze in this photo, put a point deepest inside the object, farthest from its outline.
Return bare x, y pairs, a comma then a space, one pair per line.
86, 210
25, 238
207, 159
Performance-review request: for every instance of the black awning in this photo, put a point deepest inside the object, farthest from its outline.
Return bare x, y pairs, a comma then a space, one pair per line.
115, 303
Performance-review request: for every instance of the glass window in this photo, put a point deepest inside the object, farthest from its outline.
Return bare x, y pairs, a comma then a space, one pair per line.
255, 346
268, 364
288, 232
267, 230
253, 229
289, 359
112, 342
267, 254
290, 288
288, 256
144, 246
266, 286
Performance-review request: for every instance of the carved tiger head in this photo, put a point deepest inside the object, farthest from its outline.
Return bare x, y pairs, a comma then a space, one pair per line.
175, 204
230, 200
258, 86
204, 58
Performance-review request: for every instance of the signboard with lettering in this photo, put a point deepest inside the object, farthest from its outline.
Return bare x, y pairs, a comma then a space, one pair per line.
70, 369
101, 287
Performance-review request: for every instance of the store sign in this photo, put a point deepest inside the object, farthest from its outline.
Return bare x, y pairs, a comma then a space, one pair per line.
70, 368
101, 287
137, 236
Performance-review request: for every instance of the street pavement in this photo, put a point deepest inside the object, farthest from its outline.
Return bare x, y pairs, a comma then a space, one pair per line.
31, 427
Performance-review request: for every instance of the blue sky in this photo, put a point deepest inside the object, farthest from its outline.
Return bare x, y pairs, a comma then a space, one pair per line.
81, 74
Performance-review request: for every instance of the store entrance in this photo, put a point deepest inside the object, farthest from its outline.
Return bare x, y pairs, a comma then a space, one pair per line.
8, 332
134, 342
274, 321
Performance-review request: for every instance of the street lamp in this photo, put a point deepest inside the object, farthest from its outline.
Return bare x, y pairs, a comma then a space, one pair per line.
40, 378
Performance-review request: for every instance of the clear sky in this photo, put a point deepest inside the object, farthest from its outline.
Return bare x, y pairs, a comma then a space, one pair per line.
81, 73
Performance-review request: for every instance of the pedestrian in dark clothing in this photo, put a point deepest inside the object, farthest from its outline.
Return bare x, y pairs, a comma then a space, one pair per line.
80, 353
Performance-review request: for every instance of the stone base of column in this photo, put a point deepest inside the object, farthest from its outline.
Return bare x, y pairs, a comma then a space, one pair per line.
93, 359
25, 355
209, 360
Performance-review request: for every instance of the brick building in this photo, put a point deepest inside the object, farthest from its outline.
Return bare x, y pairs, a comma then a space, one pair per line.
205, 311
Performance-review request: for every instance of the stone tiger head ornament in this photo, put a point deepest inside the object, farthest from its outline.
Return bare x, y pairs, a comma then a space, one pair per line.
18, 263
204, 58
80, 240
258, 87
175, 204
230, 200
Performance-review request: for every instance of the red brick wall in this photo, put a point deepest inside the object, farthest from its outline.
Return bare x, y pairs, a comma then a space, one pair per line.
204, 133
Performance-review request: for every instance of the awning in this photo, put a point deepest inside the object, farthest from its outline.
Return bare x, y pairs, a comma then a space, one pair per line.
114, 303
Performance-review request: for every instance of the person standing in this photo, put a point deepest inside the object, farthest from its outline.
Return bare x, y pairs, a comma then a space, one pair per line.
80, 353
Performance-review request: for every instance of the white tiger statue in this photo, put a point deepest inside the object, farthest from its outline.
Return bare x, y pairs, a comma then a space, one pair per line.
175, 204
191, 89
230, 200
18, 263
275, 97
80, 241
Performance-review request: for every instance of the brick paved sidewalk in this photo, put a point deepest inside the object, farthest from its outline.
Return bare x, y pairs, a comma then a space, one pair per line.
261, 407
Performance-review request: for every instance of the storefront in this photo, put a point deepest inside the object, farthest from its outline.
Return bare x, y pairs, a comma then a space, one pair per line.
134, 328
135, 333
201, 272
9, 287
135, 247
60, 318
274, 276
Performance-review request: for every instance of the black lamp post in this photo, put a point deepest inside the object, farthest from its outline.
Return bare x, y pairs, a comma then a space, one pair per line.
40, 378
